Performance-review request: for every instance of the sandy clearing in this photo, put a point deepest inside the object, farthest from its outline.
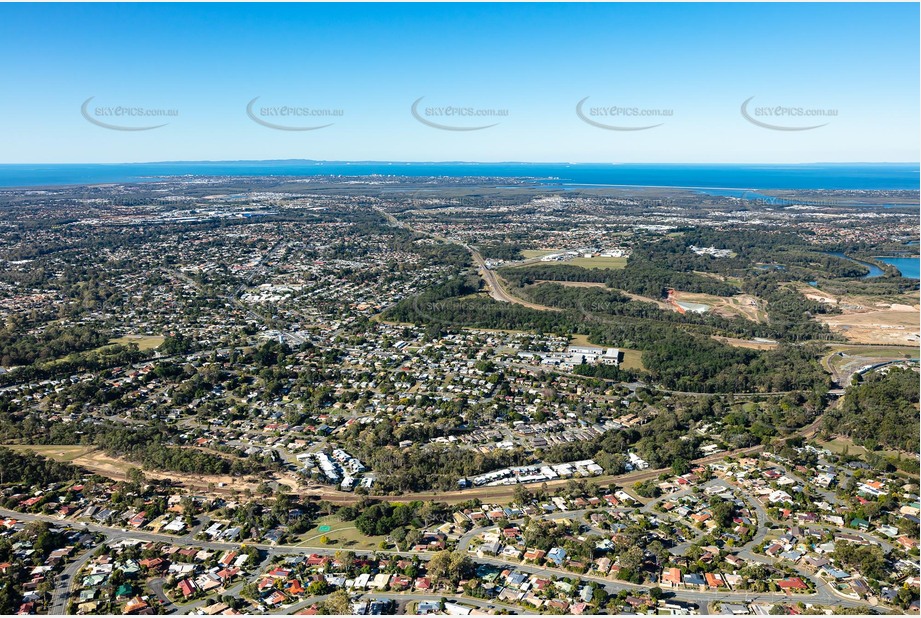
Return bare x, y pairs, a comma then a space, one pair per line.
573, 284
873, 320
745, 305
746, 343
115, 468
897, 324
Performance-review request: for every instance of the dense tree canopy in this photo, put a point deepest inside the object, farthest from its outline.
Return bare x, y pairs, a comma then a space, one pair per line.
881, 411
30, 469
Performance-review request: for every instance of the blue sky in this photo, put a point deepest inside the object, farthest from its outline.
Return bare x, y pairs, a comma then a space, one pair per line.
696, 62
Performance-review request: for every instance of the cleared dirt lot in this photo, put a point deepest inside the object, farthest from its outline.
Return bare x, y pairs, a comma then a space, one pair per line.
747, 343
883, 321
573, 284
97, 462
893, 324
745, 305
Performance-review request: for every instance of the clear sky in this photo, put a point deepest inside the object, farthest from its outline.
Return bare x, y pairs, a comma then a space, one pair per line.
536, 62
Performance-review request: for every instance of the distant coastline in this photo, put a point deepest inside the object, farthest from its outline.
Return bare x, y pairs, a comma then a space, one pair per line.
741, 177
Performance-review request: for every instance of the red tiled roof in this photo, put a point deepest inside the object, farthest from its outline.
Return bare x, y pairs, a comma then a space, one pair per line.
672, 576
794, 582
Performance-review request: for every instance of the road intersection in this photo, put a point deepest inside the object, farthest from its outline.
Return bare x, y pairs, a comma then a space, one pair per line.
824, 595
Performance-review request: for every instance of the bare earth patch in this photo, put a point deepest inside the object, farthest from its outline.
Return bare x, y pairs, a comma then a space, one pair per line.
895, 324
574, 284
745, 305
876, 320
645, 299
747, 343
116, 468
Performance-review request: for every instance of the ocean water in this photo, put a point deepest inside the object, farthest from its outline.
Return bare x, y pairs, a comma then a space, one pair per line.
718, 178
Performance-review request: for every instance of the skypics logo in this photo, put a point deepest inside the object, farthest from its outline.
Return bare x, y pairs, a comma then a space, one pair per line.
450, 114
592, 116
782, 114
114, 117
279, 116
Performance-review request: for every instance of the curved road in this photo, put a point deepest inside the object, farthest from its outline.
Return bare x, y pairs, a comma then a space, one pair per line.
823, 597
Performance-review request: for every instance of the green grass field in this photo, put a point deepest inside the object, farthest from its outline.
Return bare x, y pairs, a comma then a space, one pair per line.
57, 452
633, 359
144, 342
580, 340
839, 444
341, 534
536, 253
608, 263
876, 351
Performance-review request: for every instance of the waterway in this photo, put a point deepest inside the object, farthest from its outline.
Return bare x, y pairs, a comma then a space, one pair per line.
908, 266
875, 271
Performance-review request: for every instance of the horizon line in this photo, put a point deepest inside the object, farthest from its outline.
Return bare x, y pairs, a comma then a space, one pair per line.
461, 162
